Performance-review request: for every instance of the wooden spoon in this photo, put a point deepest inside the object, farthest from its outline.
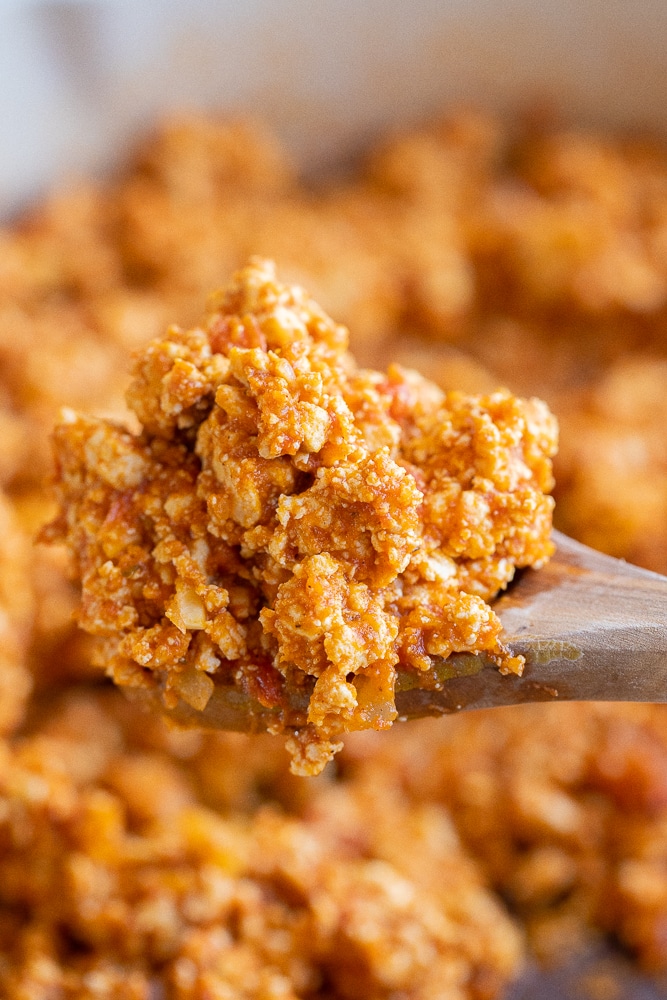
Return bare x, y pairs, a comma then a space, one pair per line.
591, 628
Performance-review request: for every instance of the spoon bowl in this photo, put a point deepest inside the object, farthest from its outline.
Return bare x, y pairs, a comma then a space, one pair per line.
590, 627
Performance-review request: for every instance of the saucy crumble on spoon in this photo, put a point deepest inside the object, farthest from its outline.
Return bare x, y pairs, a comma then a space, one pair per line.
287, 522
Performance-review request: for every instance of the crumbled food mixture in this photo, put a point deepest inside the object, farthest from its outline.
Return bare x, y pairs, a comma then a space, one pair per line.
482, 254
563, 806
16, 610
116, 881
293, 525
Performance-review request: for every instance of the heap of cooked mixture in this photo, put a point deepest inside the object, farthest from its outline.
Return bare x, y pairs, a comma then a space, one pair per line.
293, 525
122, 876
431, 860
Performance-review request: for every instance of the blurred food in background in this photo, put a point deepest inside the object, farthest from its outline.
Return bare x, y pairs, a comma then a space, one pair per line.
436, 857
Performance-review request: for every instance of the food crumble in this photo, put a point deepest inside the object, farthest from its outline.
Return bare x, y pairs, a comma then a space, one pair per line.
293, 525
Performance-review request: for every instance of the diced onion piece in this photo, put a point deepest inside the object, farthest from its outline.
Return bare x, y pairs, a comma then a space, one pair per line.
186, 609
195, 688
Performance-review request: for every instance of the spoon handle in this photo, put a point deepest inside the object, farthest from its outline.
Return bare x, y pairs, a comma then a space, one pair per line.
590, 627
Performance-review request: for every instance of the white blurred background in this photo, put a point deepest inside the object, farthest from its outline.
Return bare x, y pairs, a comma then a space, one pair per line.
77, 78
